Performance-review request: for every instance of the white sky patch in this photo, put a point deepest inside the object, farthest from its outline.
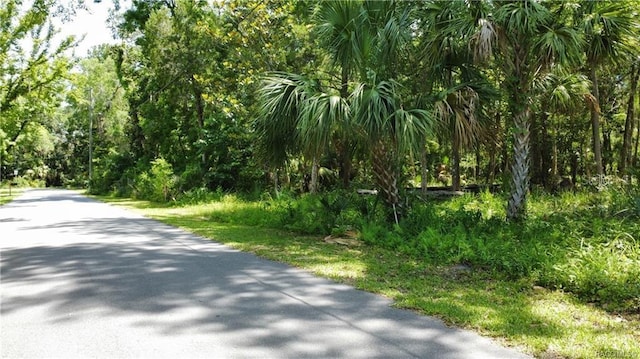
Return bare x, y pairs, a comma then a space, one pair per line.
91, 23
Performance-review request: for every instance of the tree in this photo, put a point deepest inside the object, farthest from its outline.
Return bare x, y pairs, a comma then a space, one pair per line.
609, 27
32, 69
95, 121
447, 69
527, 39
560, 93
377, 117
625, 152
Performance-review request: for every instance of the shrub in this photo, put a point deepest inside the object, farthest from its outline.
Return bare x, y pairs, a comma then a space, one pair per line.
158, 184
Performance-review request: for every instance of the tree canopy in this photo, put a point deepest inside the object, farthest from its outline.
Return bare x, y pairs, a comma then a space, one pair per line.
389, 95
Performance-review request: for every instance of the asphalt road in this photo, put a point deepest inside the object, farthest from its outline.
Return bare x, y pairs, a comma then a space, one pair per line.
83, 279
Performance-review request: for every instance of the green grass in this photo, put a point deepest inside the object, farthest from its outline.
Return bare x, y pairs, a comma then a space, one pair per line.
5, 197
516, 311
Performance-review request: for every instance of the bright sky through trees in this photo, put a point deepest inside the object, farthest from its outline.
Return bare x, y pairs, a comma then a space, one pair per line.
92, 23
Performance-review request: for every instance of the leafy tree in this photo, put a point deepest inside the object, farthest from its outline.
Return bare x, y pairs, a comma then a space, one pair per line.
96, 116
32, 68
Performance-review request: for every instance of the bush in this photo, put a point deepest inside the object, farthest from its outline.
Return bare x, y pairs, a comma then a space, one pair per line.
199, 195
24, 182
157, 184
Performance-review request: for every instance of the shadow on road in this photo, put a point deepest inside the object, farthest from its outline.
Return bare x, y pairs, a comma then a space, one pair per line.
175, 283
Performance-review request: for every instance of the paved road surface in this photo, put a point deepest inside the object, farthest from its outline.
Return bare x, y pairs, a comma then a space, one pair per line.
83, 279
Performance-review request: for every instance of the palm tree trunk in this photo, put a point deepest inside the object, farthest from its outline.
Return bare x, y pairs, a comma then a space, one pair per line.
625, 155
607, 151
536, 152
476, 171
517, 204
595, 122
344, 150
554, 158
635, 151
386, 177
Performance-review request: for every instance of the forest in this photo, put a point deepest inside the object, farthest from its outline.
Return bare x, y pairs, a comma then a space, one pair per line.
498, 135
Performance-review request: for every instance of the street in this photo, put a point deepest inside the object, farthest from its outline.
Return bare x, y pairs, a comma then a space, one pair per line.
80, 279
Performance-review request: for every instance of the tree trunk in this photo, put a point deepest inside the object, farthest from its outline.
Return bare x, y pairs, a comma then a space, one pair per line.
554, 158
344, 149
197, 94
313, 187
517, 204
423, 167
476, 171
636, 160
536, 152
625, 154
546, 150
493, 163
455, 165
386, 177
607, 151
595, 122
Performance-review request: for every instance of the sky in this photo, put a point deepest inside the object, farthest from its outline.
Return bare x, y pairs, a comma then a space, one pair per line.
92, 23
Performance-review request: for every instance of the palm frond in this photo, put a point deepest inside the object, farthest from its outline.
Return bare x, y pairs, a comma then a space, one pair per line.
281, 97
321, 115
342, 28
372, 107
560, 45
564, 91
483, 40
610, 28
411, 127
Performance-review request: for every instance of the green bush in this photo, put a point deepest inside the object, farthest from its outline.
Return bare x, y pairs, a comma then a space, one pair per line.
25, 182
307, 215
158, 184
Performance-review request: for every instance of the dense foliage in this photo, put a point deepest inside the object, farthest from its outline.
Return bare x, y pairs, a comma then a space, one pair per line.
326, 97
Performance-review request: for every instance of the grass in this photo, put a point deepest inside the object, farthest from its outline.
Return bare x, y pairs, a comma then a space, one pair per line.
5, 197
517, 312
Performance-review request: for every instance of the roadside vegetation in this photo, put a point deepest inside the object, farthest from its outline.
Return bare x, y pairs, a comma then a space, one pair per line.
7, 195
565, 283
255, 122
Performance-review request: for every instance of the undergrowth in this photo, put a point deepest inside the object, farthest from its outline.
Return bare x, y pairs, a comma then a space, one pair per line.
586, 243
541, 284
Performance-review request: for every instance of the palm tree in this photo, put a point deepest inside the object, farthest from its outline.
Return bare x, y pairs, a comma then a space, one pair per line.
609, 27
448, 68
527, 39
366, 38
560, 92
296, 116
456, 114
387, 131
342, 29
